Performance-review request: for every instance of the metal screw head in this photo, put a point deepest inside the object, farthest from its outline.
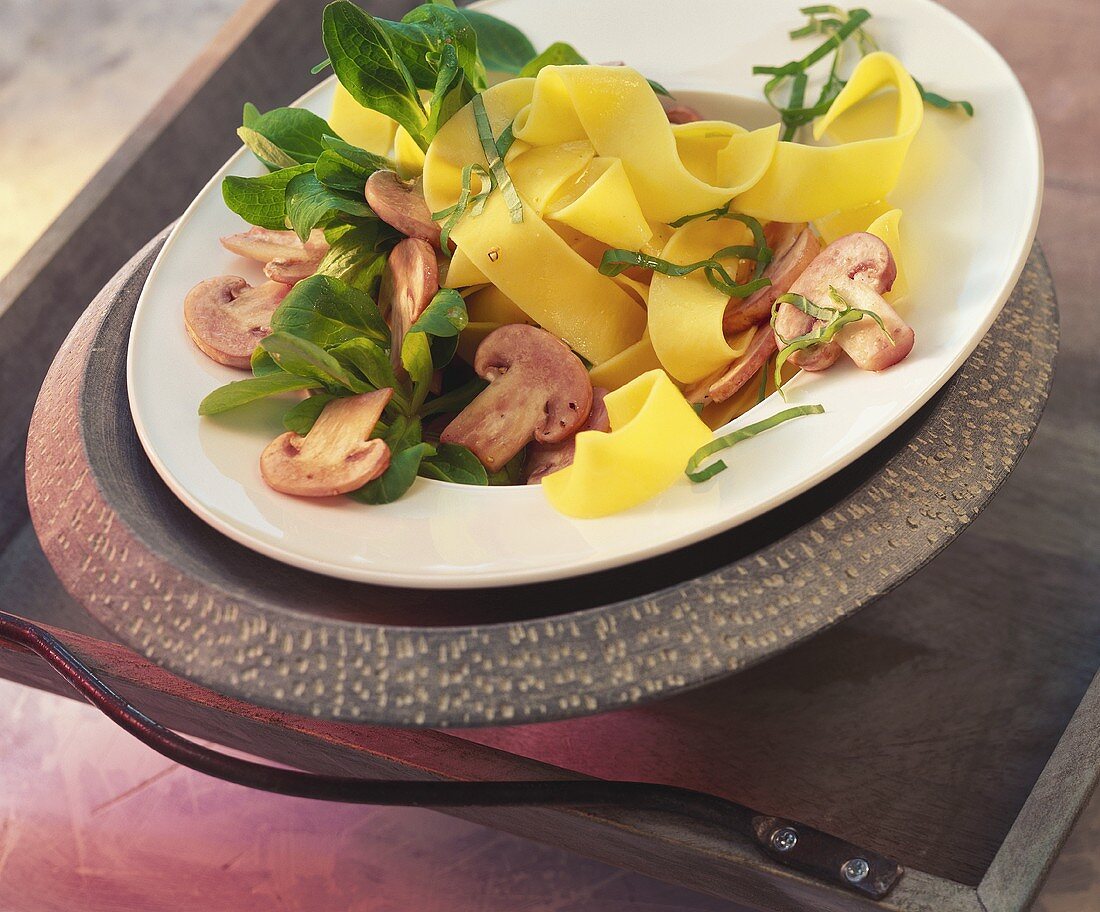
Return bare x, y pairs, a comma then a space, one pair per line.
856, 870
784, 839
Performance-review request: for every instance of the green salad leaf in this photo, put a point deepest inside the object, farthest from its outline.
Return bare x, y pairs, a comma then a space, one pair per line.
242, 392
407, 451
310, 203
297, 134
327, 311
456, 464
368, 65
558, 54
261, 200
503, 47
305, 359
357, 252
301, 417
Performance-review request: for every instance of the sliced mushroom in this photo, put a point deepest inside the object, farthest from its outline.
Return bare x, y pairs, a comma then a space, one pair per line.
402, 206
538, 389
336, 456
721, 387
864, 342
682, 114
852, 263
226, 317
409, 283
286, 258
789, 262
546, 458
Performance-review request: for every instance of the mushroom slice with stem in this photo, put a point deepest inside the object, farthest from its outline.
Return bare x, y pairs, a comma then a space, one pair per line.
336, 456
538, 389
789, 263
226, 317
545, 458
401, 205
722, 386
852, 264
409, 283
285, 257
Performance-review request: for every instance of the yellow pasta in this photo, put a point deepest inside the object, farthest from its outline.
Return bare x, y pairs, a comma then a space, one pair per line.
807, 182
527, 260
627, 365
541, 172
360, 126
462, 273
617, 111
597, 166
887, 227
685, 313
653, 434
491, 305
602, 205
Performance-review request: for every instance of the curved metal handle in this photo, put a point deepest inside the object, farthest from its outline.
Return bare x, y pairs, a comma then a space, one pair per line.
792, 844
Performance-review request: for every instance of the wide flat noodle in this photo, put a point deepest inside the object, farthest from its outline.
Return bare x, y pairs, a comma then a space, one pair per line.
541, 173
653, 434
602, 205
627, 365
615, 108
807, 182
527, 260
361, 126
887, 227
685, 313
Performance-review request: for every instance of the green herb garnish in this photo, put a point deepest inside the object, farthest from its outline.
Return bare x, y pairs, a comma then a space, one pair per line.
839, 27
616, 262
760, 252
833, 320
501, 178
727, 440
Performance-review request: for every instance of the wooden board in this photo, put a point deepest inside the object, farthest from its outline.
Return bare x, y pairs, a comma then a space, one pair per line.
1018, 589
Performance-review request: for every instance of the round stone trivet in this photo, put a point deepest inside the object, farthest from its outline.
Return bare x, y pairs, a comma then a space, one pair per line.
209, 609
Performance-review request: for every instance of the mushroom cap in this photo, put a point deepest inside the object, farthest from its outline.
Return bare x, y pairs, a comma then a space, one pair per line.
287, 259
336, 456
409, 283
545, 364
858, 258
538, 389
227, 318
402, 206
546, 458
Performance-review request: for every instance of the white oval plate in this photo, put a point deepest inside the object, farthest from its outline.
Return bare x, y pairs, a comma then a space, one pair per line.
971, 196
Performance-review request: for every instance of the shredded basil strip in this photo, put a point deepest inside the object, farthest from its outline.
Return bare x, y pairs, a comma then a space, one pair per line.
838, 26
727, 440
833, 321
761, 252
616, 262
467, 202
501, 177
762, 394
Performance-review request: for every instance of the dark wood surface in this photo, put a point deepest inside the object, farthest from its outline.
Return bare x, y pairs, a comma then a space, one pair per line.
1033, 553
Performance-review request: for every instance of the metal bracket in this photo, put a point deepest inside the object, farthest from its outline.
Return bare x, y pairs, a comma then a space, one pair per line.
789, 843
